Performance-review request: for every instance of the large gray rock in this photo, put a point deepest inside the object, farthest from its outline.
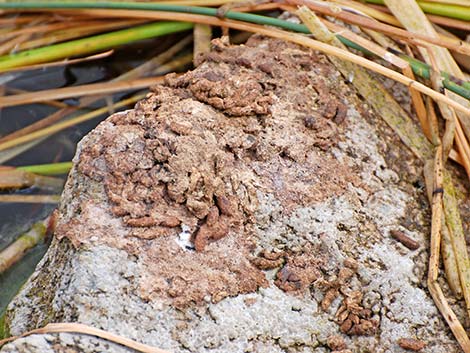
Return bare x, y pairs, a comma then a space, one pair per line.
286, 184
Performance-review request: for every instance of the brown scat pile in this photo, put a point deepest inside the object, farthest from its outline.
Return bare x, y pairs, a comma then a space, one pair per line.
197, 150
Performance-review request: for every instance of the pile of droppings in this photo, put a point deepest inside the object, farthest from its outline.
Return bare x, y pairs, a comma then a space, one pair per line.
191, 159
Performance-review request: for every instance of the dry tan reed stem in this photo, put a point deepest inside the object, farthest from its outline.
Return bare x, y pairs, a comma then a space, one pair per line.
77, 91
87, 330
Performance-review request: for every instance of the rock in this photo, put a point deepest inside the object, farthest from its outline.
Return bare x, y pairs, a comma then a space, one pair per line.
245, 206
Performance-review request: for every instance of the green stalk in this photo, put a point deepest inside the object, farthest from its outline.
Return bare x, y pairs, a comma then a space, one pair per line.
91, 44
447, 10
48, 169
419, 68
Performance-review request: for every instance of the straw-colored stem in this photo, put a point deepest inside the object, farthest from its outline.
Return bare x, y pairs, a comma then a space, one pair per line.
65, 124
13, 43
64, 62
17, 20
38, 124
462, 146
26, 241
78, 91
202, 41
30, 198
447, 251
40, 28
17, 179
88, 330
53, 103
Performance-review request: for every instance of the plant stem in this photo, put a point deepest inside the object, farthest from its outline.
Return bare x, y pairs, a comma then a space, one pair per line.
419, 68
48, 169
91, 44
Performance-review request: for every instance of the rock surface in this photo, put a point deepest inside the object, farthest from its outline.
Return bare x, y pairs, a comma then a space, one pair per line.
245, 206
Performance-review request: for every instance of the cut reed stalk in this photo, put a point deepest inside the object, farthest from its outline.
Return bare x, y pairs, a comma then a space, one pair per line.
65, 124
30, 198
78, 91
87, 330
26, 241
18, 179
64, 62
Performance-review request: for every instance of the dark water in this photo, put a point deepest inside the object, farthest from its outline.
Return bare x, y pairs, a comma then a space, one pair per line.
16, 218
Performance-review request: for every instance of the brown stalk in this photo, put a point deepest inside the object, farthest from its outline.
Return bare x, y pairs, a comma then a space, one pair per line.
17, 179
436, 222
39, 124
63, 62
78, 91
63, 35
48, 28
202, 41
419, 105
30, 198
13, 43
432, 121
53, 103
16, 20
446, 42
447, 113
447, 251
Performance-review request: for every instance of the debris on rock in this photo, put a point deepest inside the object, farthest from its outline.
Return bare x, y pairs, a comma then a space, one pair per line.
411, 344
404, 239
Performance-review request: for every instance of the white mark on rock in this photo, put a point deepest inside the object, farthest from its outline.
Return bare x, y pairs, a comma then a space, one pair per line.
184, 238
